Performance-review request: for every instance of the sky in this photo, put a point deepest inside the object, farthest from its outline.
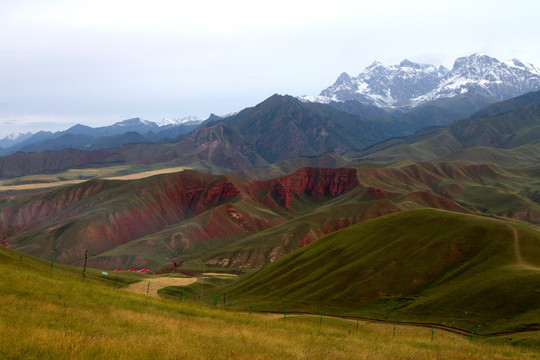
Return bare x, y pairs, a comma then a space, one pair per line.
102, 61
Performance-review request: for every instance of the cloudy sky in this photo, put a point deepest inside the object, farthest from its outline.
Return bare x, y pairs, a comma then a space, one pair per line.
101, 61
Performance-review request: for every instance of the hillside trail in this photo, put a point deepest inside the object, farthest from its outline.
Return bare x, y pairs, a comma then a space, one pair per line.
517, 249
142, 287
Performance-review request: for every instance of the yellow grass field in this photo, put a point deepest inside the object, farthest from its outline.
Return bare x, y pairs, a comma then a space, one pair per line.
52, 313
153, 285
72, 177
146, 174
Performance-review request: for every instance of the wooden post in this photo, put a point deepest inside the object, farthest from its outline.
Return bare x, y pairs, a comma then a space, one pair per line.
84, 268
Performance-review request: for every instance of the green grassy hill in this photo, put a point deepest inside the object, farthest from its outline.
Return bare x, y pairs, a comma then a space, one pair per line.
54, 314
420, 265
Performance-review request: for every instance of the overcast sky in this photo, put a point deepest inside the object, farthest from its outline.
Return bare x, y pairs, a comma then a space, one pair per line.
101, 61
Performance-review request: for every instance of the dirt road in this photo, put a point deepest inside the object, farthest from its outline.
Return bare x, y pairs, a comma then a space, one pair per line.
142, 287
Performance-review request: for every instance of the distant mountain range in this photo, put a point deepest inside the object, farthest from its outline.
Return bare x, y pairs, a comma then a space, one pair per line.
279, 128
84, 137
283, 128
411, 84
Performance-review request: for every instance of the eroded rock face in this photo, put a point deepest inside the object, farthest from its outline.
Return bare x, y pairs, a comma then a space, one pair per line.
313, 183
100, 215
123, 223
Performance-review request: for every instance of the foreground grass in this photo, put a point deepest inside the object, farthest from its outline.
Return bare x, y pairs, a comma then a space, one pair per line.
54, 314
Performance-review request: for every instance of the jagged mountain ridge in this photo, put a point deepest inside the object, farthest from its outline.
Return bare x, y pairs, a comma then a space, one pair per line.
413, 84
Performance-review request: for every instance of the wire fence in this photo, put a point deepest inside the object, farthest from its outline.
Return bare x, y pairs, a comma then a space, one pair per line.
198, 297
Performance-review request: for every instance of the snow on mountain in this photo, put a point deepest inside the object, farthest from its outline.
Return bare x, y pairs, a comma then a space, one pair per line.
13, 139
18, 136
411, 84
134, 122
174, 122
485, 75
382, 85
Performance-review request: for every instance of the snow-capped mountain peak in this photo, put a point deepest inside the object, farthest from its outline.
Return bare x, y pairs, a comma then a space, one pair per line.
410, 83
178, 121
383, 85
15, 138
134, 122
518, 64
485, 75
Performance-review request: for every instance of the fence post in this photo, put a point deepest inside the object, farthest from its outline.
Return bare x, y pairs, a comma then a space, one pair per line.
215, 300
182, 293
20, 258
148, 288
250, 305
84, 268
432, 332
357, 326
394, 335
284, 314
320, 322
115, 279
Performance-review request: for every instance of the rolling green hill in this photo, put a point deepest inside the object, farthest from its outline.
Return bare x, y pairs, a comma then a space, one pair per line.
478, 273
54, 314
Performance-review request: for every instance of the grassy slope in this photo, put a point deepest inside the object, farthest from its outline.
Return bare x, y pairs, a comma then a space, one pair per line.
420, 265
55, 315
289, 235
517, 131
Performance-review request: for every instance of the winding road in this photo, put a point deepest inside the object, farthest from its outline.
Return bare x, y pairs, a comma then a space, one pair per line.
517, 250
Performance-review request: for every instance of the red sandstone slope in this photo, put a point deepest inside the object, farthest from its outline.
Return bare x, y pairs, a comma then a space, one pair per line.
101, 215
191, 214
